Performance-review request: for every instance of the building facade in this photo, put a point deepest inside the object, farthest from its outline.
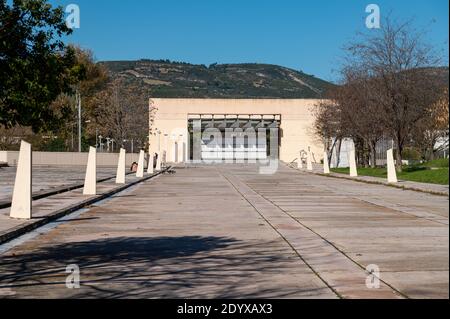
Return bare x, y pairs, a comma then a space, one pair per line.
176, 123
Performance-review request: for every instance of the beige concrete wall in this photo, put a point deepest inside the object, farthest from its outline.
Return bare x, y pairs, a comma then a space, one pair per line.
67, 159
3, 157
296, 119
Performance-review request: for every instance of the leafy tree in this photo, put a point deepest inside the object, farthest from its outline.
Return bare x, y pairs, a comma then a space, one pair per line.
64, 107
35, 65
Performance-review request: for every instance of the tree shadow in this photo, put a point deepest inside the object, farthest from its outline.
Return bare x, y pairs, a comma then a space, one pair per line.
152, 267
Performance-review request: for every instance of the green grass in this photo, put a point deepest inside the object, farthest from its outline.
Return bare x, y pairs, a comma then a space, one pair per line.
422, 174
442, 162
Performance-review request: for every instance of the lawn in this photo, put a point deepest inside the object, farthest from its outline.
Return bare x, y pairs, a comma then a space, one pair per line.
434, 172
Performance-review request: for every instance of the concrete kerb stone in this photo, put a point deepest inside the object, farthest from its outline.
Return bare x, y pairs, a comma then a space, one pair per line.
359, 180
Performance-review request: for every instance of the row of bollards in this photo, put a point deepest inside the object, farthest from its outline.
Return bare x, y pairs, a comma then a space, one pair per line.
21, 205
392, 173
309, 162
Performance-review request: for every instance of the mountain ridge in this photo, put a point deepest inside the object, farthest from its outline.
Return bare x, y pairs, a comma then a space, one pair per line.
168, 79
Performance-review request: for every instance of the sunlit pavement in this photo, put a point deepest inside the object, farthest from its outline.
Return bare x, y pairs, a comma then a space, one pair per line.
229, 232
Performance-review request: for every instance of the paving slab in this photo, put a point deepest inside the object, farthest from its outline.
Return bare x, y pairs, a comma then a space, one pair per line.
202, 241
437, 189
48, 178
228, 232
52, 207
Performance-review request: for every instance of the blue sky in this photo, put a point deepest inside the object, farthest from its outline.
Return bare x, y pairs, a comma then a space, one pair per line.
304, 35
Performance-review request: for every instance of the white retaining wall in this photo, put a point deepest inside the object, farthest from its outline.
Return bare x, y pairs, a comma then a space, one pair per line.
67, 159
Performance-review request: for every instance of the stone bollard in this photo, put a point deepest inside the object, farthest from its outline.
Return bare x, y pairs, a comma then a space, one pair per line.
150, 168
22, 196
326, 165
90, 181
392, 173
352, 161
300, 162
120, 179
174, 154
180, 152
140, 169
158, 162
309, 165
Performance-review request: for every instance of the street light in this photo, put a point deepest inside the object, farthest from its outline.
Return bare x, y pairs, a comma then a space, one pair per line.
78, 102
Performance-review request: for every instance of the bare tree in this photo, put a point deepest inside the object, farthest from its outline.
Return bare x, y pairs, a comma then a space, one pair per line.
395, 60
348, 113
362, 115
328, 127
122, 113
433, 128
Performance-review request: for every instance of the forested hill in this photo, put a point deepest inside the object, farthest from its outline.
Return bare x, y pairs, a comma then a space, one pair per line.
166, 79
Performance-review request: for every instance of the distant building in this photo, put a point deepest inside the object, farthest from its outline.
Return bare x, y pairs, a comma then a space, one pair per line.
178, 123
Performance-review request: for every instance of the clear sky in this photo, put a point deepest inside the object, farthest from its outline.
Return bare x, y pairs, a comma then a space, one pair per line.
302, 34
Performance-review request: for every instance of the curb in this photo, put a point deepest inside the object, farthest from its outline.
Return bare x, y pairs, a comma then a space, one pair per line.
402, 187
20, 230
60, 190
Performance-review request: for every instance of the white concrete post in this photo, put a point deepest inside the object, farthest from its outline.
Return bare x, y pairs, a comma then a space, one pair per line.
326, 165
120, 179
186, 147
158, 162
300, 161
309, 162
150, 168
352, 161
140, 169
174, 151
164, 158
22, 197
392, 173
165, 148
90, 181
180, 153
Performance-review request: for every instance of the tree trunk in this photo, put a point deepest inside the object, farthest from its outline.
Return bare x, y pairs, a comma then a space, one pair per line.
399, 156
373, 154
330, 151
338, 152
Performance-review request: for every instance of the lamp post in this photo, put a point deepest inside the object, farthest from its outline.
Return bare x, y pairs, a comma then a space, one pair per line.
78, 99
100, 144
96, 138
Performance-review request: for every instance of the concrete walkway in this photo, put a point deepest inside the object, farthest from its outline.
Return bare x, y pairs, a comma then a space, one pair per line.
435, 189
52, 207
226, 231
48, 178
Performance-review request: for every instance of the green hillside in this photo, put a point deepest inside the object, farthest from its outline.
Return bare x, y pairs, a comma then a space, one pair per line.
166, 79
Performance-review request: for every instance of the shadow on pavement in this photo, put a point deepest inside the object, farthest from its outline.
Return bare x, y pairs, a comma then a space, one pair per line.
160, 267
